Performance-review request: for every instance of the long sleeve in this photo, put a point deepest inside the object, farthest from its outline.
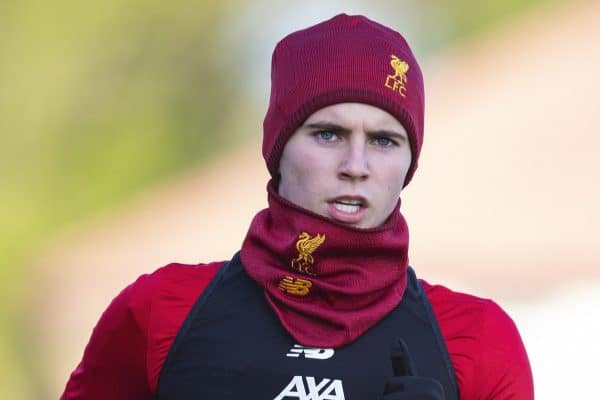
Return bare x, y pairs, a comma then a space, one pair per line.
487, 353
130, 343
114, 361
504, 370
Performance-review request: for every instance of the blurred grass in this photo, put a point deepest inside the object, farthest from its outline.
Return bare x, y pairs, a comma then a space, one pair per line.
101, 99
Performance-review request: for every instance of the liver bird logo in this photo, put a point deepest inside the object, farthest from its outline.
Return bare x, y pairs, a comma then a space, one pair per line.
306, 245
397, 81
400, 68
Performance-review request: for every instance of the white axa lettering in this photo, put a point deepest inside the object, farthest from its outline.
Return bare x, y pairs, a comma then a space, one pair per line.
330, 389
310, 352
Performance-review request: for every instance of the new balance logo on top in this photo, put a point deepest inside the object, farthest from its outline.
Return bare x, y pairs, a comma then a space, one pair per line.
310, 352
327, 389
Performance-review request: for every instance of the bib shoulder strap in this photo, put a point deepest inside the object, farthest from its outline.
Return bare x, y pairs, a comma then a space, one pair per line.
202, 299
449, 380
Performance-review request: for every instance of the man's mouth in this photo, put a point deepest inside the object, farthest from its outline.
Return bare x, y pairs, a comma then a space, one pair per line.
350, 206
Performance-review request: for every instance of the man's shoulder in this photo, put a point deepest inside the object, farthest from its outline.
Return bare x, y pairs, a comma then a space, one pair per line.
468, 322
173, 285
180, 274
170, 285
460, 312
484, 344
442, 296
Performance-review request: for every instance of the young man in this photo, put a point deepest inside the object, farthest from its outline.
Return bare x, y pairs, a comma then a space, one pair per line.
320, 302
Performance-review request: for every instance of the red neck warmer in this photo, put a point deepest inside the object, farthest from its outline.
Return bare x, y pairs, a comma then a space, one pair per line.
328, 283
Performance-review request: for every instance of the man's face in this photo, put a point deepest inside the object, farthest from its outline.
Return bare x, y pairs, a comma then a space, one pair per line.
346, 162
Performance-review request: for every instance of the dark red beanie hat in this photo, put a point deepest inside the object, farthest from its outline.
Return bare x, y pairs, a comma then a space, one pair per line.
344, 59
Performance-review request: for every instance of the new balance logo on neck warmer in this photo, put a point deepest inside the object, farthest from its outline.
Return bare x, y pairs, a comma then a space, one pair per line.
310, 352
326, 389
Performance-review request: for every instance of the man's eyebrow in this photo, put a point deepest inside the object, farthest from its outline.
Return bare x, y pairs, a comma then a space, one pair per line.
325, 125
388, 133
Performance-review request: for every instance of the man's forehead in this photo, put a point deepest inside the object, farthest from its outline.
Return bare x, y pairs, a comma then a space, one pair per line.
351, 116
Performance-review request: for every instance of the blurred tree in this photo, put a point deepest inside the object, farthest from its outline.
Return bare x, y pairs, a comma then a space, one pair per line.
452, 20
115, 93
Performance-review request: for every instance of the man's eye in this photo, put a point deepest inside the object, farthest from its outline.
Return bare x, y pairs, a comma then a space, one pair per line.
384, 141
326, 135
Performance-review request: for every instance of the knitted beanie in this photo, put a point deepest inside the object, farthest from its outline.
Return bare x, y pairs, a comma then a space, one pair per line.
348, 58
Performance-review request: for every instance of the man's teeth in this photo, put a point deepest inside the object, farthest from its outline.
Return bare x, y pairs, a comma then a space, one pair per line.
348, 206
349, 201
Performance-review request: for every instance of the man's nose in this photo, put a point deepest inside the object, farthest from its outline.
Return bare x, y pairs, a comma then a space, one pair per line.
354, 164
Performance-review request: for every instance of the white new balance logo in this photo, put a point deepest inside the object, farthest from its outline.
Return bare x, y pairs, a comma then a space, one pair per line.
310, 352
329, 390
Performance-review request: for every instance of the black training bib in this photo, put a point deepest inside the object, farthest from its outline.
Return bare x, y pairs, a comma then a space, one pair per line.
232, 346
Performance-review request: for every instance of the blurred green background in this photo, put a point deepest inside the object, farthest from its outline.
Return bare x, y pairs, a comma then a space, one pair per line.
99, 100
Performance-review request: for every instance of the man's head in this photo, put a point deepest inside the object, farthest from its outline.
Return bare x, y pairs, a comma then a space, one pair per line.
344, 59
344, 128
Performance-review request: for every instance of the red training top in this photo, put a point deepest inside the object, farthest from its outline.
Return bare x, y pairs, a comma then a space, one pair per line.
130, 343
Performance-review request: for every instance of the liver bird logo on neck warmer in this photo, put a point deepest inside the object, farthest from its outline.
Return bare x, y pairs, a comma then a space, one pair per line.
306, 245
